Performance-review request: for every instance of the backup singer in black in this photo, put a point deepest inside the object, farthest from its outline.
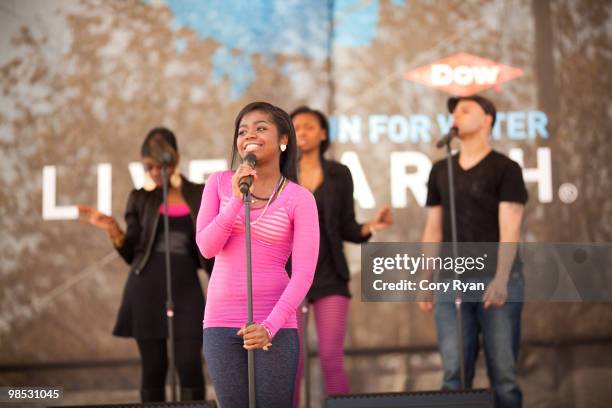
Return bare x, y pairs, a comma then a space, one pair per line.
142, 313
332, 186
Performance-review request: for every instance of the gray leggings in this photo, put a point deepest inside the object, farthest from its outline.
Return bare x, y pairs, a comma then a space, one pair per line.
274, 369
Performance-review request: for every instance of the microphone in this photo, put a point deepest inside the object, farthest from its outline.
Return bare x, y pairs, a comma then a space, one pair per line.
161, 154
446, 139
246, 182
166, 158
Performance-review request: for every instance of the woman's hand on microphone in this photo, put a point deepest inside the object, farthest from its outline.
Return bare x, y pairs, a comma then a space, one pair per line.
244, 170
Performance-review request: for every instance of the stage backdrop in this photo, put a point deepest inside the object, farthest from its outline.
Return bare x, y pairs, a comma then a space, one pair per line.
83, 81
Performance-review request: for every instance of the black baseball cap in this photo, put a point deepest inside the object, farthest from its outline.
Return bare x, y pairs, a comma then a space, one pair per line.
487, 106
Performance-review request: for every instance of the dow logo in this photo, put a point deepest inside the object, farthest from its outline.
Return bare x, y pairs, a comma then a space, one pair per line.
463, 74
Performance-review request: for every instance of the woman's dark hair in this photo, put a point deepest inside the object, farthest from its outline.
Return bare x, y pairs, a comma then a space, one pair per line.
160, 141
284, 125
322, 122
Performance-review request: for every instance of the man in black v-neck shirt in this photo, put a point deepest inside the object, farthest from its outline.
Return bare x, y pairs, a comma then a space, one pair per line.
479, 190
490, 195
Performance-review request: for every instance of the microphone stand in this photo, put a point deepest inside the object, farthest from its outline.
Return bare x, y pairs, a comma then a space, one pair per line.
169, 301
458, 300
250, 353
303, 316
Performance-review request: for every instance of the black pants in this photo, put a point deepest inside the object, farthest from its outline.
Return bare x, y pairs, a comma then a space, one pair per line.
275, 369
188, 362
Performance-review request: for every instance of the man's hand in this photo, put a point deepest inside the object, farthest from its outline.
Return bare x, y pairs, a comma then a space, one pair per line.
496, 293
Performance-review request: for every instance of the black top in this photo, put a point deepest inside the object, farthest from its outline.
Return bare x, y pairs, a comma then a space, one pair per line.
478, 192
145, 291
337, 223
141, 218
326, 281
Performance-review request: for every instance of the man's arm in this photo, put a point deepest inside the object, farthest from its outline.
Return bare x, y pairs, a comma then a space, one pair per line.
510, 218
433, 226
432, 233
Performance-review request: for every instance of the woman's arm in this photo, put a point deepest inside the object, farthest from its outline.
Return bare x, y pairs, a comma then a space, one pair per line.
350, 229
124, 243
125, 246
214, 226
304, 254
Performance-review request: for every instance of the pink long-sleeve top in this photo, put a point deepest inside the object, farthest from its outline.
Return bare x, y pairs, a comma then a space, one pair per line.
290, 226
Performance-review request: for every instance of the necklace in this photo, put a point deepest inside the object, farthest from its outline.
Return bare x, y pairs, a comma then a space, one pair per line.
259, 198
274, 193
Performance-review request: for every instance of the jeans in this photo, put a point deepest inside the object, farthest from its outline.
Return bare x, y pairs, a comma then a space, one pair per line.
501, 332
274, 369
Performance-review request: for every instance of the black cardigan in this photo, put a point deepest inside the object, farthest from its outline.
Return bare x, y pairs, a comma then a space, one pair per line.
142, 215
339, 213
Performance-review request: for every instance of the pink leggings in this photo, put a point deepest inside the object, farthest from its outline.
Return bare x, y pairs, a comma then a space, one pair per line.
330, 317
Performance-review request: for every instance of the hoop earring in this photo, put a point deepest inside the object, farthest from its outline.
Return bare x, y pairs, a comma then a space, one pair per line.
175, 178
149, 184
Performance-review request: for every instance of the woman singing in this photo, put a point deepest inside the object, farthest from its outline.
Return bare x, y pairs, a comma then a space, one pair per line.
142, 314
284, 223
332, 186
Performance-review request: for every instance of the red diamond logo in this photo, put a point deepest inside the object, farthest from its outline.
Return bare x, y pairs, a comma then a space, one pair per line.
463, 74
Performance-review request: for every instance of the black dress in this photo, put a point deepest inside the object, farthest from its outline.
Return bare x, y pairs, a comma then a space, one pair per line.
142, 313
